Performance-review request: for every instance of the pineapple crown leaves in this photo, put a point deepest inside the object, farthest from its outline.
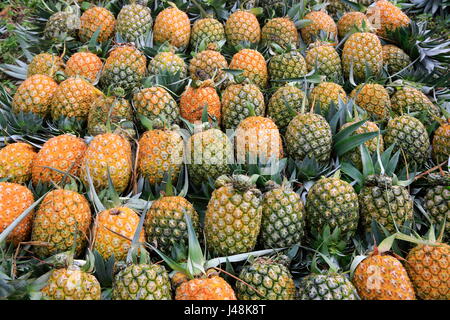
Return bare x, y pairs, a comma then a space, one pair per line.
239, 182
307, 169
429, 238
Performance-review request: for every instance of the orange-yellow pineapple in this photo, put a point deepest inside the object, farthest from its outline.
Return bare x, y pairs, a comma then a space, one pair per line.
253, 64
320, 21
96, 18
242, 26
385, 16
45, 63
194, 99
16, 160
172, 25
84, 64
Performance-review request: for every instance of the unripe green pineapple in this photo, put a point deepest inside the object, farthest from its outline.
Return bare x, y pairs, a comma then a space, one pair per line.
133, 21
437, 200
233, 216
395, 58
332, 202
287, 66
61, 24
309, 135
333, 286
326, 60
283, 220
207, 31
167, 63
272, 281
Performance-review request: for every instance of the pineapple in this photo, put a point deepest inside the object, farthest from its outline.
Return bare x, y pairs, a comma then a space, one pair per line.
108, 153
395, 58
287, 65
409, 135
373, 98
195, 98
211, 288
362, 51
124, 68
333, 286
332, 202
233, 216
281, 31
208, 64
73, 98
284, 104
172, 25
326, 60
272, 281
46, 64
242, 26
207, 31
157, 105
160, 151
320, 22
309, 135
97, 18
64, 152
385, 17
441, 142
16, 160
133, 21
352, 21
61, 24
253, 64
62, 216
113, 231
235, 101
437, 200
14, 199
326, 93
34, 95
86, 65
169, 63
283, 217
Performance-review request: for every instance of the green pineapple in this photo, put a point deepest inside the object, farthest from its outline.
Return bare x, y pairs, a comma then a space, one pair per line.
133, 21
287, 65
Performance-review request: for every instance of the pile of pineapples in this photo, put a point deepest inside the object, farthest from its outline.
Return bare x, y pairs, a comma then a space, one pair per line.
223, 151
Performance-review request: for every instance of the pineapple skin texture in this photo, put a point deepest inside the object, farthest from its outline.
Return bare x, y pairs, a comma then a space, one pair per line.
386, 16
172, 25
327, 61
207, 31
193, 100
16, 160
320, 22
395, 58
167, 62
14, 199
45, 64
142, 282
242, 26
325, 93
84, 64
428, 268
281, 31
382, 277
93, 19
133, 21
373, 98
214, 288
350, 20
441, 143
207, 65
326, 287
71, 284
61, 214
437, 204
287, 65
253, 64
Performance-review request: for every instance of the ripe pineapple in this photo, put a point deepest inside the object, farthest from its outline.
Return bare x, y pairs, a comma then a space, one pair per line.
395, 58
437, 200
283, 217
34, 95
287, 65
61, 24
208, 64
62, 216
320, 21
172, 25
235, 101
165, 224
326, 60
242, 26
441, 142
207, 31
210, 288
169, 63
195, 98
385, 17
46, 64
409, 135
160, 151
96, 18
284, 104
409, 99
253, 64
71, 283
352, 21
281, 31
326, 93
259, 138
108, 152
113, 231
373, 98
64, 152
133, 21
210, 151
309, 135
233, 216
332, 202
73, 98
272, 281
124, 68
357, 60
157, 105
16, 160
334, 286
14, 199
84, 64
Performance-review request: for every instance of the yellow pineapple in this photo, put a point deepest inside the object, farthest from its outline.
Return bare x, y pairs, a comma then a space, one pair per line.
172, 25
96, 18
16, 160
